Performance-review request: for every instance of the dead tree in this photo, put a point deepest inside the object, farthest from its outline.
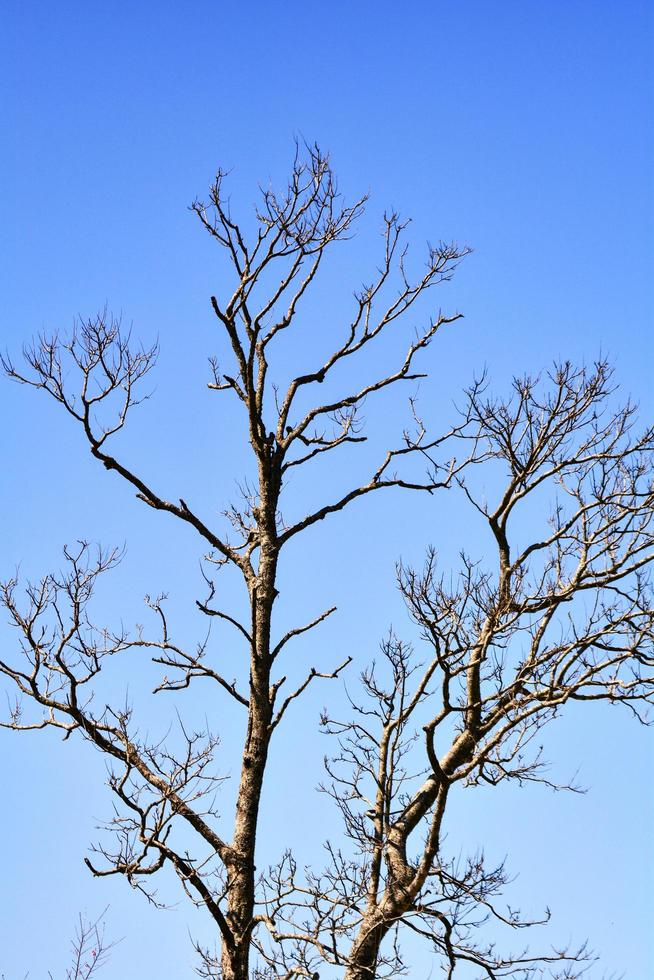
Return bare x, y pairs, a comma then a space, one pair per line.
552, 609
96, 376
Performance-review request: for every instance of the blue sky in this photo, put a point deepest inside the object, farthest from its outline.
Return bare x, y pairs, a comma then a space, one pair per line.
520, 129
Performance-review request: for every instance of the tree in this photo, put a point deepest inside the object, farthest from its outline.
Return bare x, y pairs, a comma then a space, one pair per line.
65, 650
564, 616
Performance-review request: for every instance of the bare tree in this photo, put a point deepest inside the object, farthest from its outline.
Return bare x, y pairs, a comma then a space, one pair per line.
96, 374
563, 614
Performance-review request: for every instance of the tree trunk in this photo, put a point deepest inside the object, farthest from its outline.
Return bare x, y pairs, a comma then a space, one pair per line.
365, 952
234, 962
241, 872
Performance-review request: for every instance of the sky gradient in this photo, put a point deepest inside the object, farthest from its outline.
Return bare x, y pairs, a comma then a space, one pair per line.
520, 129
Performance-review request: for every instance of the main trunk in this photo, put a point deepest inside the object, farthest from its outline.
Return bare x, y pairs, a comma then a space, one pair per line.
365, 952
241, 872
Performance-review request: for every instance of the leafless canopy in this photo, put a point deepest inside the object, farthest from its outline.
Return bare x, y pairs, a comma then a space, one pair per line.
96, 374
564, 613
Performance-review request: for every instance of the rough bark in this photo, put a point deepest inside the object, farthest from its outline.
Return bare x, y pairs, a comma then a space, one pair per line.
242, 869
365, 951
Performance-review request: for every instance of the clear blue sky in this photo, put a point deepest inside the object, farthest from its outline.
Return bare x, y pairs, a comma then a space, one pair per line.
522, 129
